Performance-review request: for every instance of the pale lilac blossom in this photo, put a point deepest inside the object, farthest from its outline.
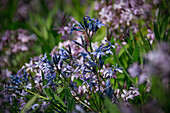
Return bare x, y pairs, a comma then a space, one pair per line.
29, 66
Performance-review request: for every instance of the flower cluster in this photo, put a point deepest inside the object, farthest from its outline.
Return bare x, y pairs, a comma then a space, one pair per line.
11, 91
83, 66
36, 65
84, 72
13, 43
90, 25
126, 95
123, 15
16, 41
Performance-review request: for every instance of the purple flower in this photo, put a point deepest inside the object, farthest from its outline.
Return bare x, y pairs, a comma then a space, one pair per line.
134, 70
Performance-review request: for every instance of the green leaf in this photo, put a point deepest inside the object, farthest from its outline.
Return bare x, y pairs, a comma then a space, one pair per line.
59, 89
109, 107
51, 15
145, 42
52, 96
29, 104
43, 79
163, 26
141, 52
130, 41
123, 68
100, 34
70, 99
136, 53
159, 91
124, 47
91, 12
150, 46
167, 37
157, 36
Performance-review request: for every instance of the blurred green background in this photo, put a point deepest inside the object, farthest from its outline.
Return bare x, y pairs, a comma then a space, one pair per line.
39, 17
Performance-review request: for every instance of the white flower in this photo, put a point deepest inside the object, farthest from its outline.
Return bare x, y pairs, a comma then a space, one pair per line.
119, 69
98, 54
117, 92
29, 86
119, 6
35, 105
148, 86
23, 47
133, 92
38, 64
29, 66
73, 76
95, 46
23, 93
126, 95
82, 89
109, 51
86, 102
109, 73
23, 38
46, 67
39, 74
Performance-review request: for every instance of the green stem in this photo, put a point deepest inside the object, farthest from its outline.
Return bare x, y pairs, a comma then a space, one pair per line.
73, 90
94, 102
141, 102
90, 40
36, 94
114, 83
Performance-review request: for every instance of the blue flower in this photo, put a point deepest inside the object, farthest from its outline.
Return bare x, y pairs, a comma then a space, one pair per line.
84, 55
63, 54
110, 73
118, 69
75, 29
44, 58
18, 79
90, 24
99, 52
109, 91
98, 23
15, 79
